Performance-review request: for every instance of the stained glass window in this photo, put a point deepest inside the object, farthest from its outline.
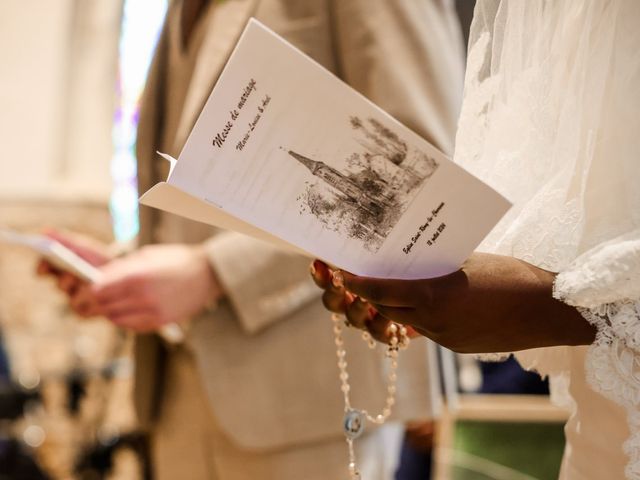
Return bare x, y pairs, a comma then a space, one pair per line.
141, 23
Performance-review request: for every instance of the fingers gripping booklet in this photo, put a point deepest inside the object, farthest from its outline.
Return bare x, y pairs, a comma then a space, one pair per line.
286, 152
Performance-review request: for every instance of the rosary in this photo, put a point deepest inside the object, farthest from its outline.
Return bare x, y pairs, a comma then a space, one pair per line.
355, 419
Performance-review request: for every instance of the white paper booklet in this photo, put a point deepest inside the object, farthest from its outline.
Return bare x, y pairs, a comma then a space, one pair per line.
286, 152
54, 252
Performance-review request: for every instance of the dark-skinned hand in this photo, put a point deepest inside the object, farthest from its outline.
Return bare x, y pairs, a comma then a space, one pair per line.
493, 303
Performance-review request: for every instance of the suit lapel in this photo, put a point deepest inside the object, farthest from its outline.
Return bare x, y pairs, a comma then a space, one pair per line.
225, 24
150, 127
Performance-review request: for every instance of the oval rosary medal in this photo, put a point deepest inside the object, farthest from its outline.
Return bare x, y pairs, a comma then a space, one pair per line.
353, 424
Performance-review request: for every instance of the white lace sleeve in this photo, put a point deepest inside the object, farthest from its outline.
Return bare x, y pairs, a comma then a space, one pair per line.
604, 284
550, 119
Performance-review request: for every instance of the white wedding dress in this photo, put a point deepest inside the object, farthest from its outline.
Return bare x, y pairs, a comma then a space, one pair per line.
551, 119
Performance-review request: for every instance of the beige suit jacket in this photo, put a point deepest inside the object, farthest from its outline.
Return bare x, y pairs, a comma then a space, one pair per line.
266, 356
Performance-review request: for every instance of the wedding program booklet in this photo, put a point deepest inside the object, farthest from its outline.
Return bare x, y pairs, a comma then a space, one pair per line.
286, 152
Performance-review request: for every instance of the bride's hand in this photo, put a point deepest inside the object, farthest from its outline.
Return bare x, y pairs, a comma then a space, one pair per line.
492, 304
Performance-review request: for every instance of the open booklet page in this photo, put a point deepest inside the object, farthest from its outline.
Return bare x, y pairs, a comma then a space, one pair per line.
285, 151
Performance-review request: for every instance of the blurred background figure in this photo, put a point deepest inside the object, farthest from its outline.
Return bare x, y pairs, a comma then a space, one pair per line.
15, 460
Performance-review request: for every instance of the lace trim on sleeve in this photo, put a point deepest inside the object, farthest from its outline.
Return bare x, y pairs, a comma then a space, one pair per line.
613, 366
604, 285
492, 357
603, 275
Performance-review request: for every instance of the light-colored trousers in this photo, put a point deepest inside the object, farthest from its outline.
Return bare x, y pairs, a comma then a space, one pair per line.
187, 443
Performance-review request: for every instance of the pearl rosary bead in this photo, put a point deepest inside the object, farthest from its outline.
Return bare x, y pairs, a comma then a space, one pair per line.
354, 419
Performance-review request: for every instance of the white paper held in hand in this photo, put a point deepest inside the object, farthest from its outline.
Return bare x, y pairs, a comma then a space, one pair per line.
286, 152
65, 259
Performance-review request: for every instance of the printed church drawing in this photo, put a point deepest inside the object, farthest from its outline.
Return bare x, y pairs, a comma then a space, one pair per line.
354, 192
366, 198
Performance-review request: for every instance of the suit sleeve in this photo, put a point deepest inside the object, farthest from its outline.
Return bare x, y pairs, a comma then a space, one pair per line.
263, 283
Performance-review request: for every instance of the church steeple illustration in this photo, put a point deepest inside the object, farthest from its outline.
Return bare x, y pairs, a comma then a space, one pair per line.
330, 175
312, 165
342, 183
364, 193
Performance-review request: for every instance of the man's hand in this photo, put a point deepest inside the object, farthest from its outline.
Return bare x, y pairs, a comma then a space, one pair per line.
154, 286
142, 291
91, 250
493, 303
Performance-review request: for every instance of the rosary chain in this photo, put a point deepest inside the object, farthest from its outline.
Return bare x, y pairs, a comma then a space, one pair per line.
398, 340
